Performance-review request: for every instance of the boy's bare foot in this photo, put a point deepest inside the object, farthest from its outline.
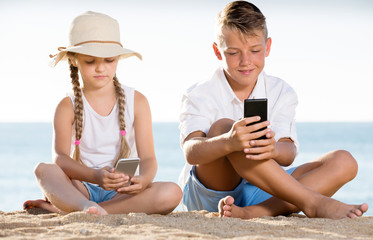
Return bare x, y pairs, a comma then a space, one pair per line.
331, 208
43, 204
326, 208
228, 209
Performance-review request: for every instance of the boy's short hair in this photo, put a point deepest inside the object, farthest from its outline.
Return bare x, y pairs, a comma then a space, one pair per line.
242, 16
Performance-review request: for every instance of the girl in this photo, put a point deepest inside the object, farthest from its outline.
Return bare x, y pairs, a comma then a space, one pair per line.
102, 122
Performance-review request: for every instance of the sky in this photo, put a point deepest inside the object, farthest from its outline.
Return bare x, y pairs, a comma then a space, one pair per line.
323, 49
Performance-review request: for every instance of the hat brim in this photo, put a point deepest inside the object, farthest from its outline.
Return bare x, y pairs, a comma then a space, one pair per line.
101, 50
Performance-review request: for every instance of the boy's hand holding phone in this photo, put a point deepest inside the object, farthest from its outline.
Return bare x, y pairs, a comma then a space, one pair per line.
262, 144
262, 149
240, 134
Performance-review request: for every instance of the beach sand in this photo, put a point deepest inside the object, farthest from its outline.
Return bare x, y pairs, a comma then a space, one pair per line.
36, 224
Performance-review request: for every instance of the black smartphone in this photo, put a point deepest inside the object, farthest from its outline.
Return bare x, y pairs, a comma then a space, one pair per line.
256, 107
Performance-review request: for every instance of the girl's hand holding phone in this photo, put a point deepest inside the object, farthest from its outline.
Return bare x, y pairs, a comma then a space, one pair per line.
108, 179
138, 184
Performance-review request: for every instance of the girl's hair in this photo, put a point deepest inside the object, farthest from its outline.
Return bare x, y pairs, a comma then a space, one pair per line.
124, 149
243, 17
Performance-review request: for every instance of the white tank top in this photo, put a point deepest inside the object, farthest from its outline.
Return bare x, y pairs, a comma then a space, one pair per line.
100, 141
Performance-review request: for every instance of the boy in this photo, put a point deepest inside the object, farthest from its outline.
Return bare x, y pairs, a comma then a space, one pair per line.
234, 173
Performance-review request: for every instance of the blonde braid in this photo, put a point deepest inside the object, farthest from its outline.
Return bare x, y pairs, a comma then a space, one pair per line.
78, 110
124, 150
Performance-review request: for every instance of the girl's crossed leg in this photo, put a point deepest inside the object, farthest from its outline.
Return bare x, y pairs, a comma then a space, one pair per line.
64, 196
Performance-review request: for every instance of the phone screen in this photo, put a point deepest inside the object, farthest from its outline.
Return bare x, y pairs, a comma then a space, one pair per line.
256, 107
127, 166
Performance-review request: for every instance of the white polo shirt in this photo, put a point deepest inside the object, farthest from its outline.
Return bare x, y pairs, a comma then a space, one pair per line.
206, 102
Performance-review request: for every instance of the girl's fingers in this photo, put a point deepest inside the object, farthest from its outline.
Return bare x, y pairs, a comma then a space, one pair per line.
129, 189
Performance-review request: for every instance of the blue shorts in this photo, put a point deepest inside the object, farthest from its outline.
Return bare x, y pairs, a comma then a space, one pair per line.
97, 194
198, 197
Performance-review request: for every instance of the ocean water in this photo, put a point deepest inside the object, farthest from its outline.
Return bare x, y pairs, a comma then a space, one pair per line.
23, 145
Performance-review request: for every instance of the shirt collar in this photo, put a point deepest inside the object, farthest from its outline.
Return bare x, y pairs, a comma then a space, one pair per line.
227, 91
259, 90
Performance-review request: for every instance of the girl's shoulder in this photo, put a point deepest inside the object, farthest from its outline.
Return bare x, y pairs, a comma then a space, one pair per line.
140, 99
66, 103
65, 109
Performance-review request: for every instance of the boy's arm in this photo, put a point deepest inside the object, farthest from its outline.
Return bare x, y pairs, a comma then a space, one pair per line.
286, 152
200, 149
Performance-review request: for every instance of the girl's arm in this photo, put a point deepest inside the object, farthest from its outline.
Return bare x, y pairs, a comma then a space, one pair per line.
144, 144
63, 123
144, 137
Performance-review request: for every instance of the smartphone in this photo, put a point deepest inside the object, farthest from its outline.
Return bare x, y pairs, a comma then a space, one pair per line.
127, 166
256, 107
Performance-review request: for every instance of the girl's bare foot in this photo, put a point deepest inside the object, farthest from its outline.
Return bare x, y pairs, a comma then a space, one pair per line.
43, 204
96, 210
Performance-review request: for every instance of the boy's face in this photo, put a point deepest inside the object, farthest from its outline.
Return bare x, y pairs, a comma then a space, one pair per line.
243, 57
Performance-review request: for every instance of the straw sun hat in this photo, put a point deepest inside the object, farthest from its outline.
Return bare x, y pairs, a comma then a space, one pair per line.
94, 34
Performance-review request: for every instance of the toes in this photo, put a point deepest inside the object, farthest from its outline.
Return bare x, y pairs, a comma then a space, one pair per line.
228, 200
364, 207
92, 210
26, 205
357, 212
227, 208
227, 214
352, 215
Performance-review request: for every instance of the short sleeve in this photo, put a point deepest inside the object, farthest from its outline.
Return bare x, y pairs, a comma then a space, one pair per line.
283, 118
192, 118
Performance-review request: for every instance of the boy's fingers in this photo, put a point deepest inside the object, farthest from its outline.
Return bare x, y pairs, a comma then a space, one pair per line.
256, 126
248, 120
256, 135
258, 157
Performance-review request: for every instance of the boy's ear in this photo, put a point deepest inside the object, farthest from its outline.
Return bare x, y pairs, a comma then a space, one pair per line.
217, 51
268, 46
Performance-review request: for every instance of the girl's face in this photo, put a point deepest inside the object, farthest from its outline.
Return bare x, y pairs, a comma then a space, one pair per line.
96, 72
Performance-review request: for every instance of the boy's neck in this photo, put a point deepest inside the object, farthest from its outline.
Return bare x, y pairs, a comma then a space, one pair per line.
242, 91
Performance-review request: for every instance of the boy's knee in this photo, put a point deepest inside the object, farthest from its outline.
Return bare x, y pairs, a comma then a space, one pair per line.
220, 126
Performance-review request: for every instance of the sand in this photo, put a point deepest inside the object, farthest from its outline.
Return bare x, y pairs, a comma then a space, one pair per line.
36, 224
